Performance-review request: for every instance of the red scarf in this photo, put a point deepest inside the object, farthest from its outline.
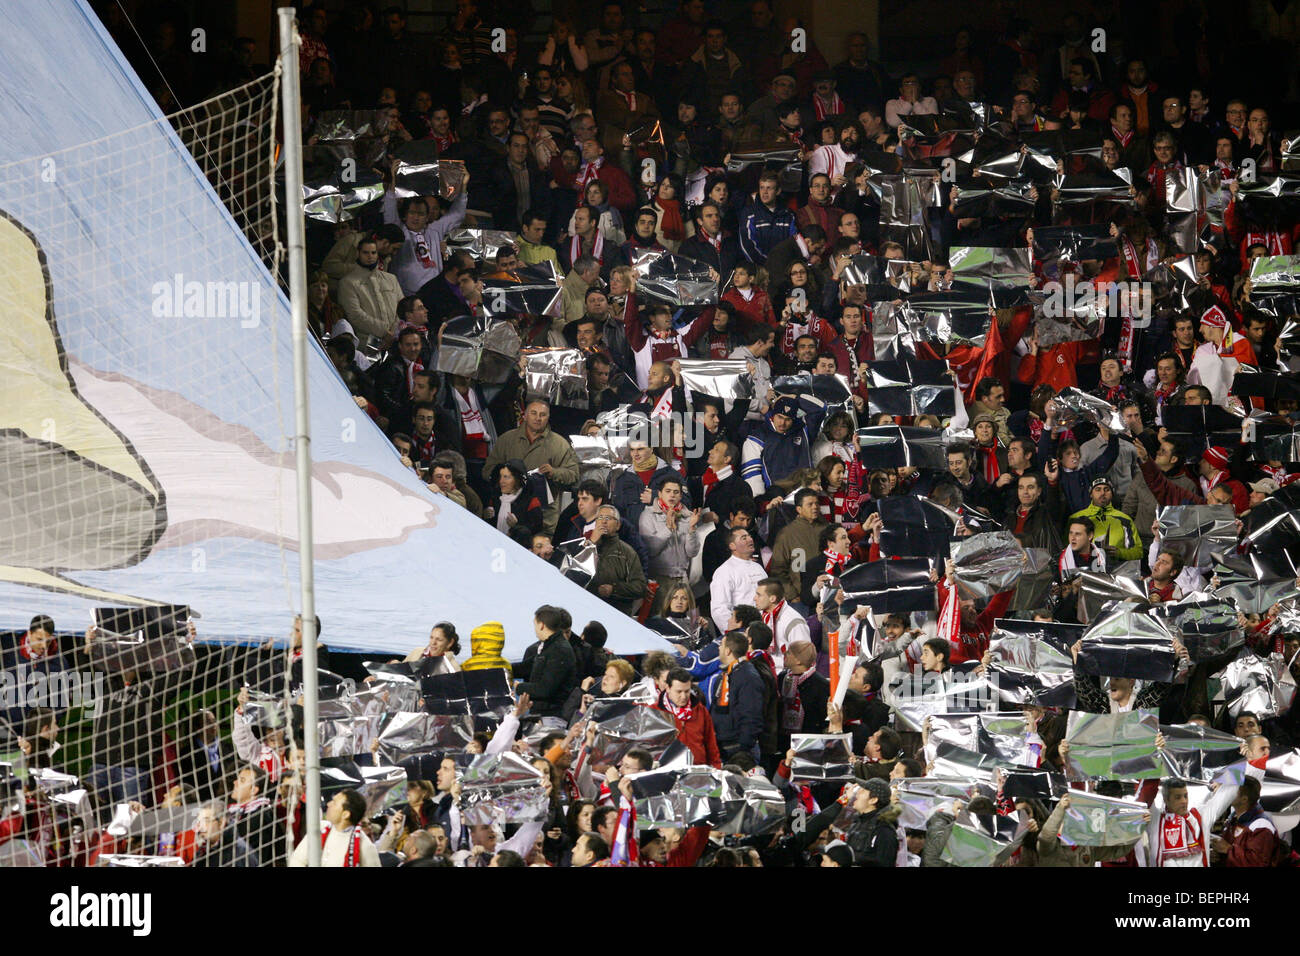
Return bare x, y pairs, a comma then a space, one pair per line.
792, 719
709, 479
671, 223
629, 98
411, 369
352, 858
1181, 837
766, 659
1122, 138
443, 143
989, 458
714, 241
770, 616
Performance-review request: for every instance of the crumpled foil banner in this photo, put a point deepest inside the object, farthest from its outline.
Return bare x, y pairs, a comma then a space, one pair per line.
409, 734
1074, 405
1054, 244
622, 724
600, 452
1094, 820
958, 316
1197, 427
1280, 795
1000, 735
977, 199
1185, 216
1113, 746
821, 757
1104, 188
893, 446
1275, 285
720, 378
502, 788
889, 585
676, 280
1262, 685
1006, 267
483, 694
1198, 531
915, 698
482, 244
988, 564
348, 134
982, 840
378, 785
531, 290
736, 162
332, 200
1128, 642
347, 736
914, 527
1253, 582
1100, 589
1060, 316
891, 335
911, 387
697, 795
1207, 627
904, 217
921, 797
579, 560
557, 375
477, 348
65, 793
1032, 662
1193, 752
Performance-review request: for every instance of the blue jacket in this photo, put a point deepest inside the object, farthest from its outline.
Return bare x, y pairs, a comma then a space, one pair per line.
762, 228
768, 456
1076, 486
739, 722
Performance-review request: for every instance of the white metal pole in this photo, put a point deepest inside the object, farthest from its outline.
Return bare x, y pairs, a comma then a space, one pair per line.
292, 114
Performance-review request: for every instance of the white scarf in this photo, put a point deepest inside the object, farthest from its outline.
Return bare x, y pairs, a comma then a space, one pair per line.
504, 511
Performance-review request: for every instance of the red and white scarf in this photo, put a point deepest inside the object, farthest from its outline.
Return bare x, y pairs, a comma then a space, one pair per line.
352, 858
1181, 837
1122, 138
421, 246
629, 99
1133, 267
684, 714
597, 248
770, 617
835, 108
714, 241
1068, 562
835, 562
411, 369
589, 171
711, 478
471, 416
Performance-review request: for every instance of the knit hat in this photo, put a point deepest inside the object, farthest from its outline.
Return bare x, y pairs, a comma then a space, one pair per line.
1102, 480
840, 852
879, 789
1214, 317
1216, 457
786, 406
1265, 486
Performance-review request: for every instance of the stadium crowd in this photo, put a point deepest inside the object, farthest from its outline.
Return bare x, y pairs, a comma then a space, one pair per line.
716, 142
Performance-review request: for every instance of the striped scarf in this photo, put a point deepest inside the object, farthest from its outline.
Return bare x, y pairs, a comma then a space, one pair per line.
835, 108
352, 858
835, 562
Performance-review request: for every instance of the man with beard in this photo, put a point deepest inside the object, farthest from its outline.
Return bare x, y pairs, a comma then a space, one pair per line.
833, 160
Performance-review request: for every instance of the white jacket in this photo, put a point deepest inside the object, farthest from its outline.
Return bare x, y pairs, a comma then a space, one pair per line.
733, 583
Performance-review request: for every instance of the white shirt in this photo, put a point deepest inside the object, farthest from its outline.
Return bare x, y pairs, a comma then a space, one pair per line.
790, 627
831, 160
733, 583
336, 849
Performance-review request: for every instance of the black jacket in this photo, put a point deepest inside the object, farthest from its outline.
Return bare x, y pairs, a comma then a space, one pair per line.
723, 259
554, 675
814, 695
739, 723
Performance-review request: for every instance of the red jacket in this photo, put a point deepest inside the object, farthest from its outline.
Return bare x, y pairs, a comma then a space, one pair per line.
757, 309
1058, 365
697, 734
975, 640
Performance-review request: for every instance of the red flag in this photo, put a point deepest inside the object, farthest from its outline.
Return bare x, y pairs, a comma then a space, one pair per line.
950, 619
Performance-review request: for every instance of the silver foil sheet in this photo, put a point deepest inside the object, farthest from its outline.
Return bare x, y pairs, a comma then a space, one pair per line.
477, 348
557, 375
720, 378
822, 757
1261, 685
1198, 531
988, 564
1113, 746
502, 788
1094, 820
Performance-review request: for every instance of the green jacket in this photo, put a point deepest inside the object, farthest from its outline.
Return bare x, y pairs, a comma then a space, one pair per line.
617, 564
1116, 531
549, 448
